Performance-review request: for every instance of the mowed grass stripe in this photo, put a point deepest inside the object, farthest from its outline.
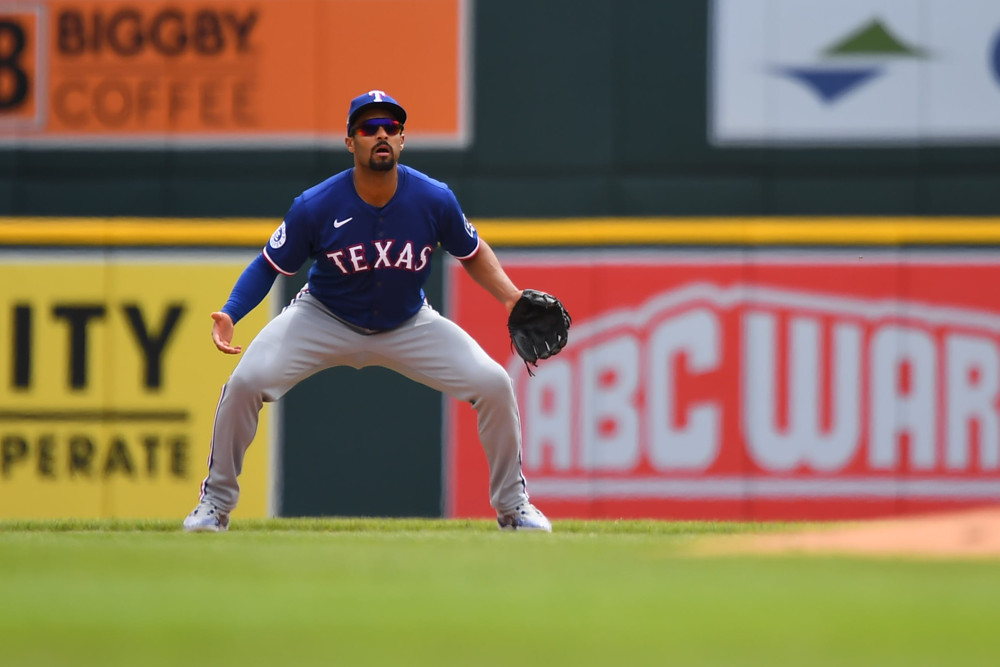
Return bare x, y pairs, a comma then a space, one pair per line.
380, 524
433, 592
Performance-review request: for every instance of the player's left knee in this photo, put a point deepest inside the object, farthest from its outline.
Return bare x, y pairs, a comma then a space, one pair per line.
495, 383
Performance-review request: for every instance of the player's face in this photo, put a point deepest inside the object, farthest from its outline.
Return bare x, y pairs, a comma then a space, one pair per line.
373, 145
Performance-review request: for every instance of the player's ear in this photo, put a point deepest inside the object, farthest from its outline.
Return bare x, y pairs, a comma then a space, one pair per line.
349, 142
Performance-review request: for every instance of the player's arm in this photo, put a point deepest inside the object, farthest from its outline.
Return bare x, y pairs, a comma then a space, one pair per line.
250, 289
485, 269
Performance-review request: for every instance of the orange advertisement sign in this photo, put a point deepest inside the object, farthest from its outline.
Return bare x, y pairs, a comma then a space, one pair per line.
229, 72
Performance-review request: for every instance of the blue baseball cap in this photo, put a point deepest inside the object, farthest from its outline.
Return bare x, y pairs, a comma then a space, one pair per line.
377, 99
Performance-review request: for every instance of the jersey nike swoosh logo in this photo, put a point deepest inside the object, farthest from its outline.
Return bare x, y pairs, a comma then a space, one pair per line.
340, 223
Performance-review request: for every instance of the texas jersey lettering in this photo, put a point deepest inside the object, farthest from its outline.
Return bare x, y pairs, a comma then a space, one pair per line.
371, 263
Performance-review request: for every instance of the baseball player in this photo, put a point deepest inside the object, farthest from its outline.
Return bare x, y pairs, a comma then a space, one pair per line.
372, 230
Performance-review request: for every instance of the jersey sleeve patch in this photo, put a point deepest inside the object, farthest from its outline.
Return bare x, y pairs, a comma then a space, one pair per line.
278, 237
291, 243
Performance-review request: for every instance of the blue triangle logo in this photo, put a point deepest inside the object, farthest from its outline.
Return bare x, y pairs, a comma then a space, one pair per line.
830, 84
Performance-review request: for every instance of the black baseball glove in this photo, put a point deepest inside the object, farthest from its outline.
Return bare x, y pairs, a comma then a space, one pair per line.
538, 326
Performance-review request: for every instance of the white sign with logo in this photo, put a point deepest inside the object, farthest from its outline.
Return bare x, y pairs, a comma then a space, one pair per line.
861, 72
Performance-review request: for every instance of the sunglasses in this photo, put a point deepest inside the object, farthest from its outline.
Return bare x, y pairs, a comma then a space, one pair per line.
370, 127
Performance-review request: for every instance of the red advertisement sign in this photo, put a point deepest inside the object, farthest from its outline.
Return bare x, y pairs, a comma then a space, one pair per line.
748, 385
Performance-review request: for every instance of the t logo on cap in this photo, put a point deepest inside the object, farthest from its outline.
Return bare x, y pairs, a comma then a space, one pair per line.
377, 98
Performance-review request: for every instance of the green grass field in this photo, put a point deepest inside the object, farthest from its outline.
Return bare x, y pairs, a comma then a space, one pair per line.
431, 592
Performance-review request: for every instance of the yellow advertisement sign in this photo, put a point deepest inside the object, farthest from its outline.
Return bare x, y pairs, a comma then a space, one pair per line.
228, 72
109, 382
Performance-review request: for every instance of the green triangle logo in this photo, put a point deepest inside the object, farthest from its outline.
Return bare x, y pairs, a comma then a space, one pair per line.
873, 39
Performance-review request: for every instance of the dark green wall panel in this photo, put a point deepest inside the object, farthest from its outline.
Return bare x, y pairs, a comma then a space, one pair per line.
544, 85
972, 194
552, 197
689, 196
883, 195
361, 442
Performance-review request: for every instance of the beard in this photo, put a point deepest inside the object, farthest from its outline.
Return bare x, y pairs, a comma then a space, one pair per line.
382, 164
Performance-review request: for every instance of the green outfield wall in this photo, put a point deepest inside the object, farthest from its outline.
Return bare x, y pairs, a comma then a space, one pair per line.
589, 127
593, 108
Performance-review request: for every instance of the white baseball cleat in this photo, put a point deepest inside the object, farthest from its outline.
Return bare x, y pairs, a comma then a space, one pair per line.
206, 518
524, 517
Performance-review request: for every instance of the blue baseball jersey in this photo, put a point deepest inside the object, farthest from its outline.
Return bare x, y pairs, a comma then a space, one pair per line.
371, 263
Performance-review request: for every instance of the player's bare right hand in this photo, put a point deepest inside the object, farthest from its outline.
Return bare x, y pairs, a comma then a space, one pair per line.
222, 333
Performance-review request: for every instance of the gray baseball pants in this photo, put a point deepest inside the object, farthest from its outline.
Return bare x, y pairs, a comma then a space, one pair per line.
428, 348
